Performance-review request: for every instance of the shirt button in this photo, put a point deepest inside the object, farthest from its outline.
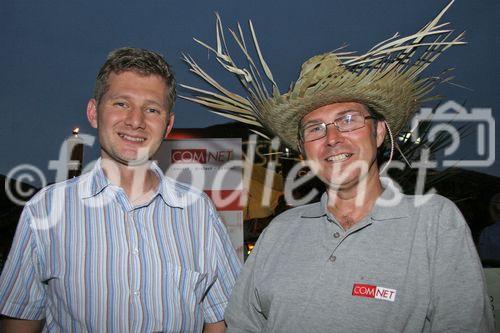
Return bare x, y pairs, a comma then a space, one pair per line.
336, 235
135, 251
332, 258
136, 292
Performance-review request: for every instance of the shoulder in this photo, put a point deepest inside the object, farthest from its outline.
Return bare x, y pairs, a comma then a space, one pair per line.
435, 208
181, 188
298, 215
429, 208
51, 204
291, 221
184, 195
58, 191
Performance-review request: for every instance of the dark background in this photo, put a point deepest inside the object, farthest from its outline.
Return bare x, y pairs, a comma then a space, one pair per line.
52, 50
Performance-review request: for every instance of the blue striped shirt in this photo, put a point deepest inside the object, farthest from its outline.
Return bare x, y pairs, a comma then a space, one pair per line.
86, 260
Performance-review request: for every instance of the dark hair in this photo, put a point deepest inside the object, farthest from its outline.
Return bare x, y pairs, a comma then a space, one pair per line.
140, 61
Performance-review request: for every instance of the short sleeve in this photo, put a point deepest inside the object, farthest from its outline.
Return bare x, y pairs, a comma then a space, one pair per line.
460, 301
244, 313
22, 294
226, 270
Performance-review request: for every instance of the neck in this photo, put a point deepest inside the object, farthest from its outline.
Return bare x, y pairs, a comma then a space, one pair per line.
351, 204
136, 181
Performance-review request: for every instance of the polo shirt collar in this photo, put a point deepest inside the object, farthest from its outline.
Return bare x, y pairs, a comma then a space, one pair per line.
390, 205
317, 209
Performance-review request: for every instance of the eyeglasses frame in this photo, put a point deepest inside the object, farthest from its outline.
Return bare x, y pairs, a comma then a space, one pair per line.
336, 126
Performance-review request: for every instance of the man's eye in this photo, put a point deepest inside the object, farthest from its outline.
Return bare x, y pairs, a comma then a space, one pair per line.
314, 129
347, 119
152, 110
120, 104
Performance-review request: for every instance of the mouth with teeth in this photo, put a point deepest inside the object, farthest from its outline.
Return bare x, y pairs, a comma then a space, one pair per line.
131, 138
338, 158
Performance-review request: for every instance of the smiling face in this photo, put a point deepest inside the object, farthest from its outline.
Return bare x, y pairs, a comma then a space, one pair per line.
132, 117
342, 159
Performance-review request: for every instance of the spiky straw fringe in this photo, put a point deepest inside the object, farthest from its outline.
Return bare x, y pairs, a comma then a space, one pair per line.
394, 58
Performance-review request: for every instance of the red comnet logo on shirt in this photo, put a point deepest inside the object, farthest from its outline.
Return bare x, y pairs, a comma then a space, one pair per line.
370, 291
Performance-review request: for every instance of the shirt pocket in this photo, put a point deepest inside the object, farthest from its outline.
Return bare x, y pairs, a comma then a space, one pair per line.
184, 287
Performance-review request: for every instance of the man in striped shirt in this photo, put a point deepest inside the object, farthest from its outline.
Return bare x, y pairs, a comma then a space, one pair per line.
121, 248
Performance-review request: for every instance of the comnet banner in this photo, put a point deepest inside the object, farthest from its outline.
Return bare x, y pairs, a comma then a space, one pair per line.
214, 166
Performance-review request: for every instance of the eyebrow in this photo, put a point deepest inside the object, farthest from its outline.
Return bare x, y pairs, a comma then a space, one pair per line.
147, 101
340, 114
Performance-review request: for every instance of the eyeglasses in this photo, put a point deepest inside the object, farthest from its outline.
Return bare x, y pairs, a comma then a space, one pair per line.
346, 123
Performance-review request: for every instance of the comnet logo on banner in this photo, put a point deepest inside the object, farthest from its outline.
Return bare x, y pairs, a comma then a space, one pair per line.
214, 166
202, 156
371, 291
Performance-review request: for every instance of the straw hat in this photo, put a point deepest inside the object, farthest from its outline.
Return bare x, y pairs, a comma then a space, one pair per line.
386, 79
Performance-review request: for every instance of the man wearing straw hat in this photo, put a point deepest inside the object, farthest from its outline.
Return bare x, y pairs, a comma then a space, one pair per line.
366, 258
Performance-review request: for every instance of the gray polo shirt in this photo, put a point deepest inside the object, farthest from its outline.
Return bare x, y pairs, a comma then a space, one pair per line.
403, 268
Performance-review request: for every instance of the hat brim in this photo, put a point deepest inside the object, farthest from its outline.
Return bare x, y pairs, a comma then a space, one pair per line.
392, 97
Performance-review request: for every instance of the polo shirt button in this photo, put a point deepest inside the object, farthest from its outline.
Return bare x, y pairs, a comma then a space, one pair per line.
332, 258
336, 235
136, 292
135, 251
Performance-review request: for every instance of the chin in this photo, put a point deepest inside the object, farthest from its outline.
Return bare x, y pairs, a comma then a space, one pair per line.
342, 185
131, 160
135, 157
138, 160
340, 181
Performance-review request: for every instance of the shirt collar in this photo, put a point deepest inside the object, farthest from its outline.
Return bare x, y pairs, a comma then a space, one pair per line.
316, 210
96, 181
390, 205
168, 189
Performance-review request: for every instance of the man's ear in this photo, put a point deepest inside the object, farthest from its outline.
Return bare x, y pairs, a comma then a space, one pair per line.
381, 131
170, 124
92, 112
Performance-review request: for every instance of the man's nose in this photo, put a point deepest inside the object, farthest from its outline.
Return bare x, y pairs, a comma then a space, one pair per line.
333, 135
135, 118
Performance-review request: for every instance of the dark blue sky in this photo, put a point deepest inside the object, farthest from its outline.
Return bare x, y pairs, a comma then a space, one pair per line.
52, 50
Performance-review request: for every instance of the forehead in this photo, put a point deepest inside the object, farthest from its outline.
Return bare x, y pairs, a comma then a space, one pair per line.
131, 77
133, 83
331, 111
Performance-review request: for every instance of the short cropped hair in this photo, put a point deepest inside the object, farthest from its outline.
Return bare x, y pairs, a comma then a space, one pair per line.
141, 61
